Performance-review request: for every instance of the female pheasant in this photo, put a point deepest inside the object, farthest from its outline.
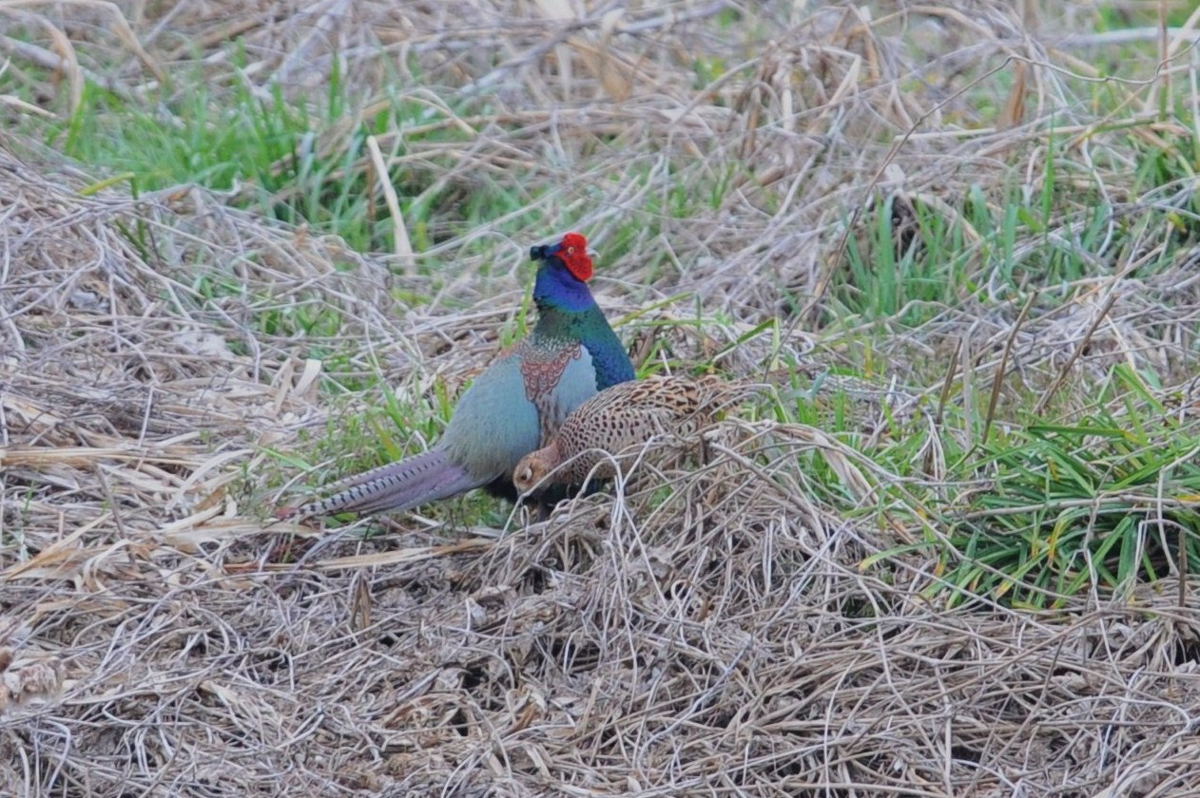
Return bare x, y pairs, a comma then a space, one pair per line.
620, 418
512, 407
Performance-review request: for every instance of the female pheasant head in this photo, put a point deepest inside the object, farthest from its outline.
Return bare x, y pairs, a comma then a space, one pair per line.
534, 466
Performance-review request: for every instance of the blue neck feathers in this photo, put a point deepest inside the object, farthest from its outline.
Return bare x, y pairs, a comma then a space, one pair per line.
556, 287
567, 311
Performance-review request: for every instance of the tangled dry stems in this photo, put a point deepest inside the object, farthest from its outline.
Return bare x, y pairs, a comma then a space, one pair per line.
716, 637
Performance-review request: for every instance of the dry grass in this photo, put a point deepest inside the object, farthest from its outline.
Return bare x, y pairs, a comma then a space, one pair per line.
720, 637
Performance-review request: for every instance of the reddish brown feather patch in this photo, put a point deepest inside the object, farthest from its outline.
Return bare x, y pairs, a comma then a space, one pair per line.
542, 376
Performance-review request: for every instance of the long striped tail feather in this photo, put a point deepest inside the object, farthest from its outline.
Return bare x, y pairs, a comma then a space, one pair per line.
395, 487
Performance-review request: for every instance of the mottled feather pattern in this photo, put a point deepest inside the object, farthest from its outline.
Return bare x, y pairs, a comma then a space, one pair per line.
624, 416
543, 369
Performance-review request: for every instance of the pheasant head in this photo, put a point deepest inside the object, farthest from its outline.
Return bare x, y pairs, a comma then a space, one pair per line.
534, 467
563, 273
572, 252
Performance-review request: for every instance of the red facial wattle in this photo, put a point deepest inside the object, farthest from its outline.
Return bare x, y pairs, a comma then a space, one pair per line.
574, 253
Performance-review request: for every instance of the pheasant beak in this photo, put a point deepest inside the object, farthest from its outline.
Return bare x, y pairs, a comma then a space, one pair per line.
593, 254
543, 251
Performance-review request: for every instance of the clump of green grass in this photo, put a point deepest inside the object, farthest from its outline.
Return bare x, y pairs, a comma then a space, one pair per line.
907, 260
305, 163
1049, 509
264, 147
1078, 507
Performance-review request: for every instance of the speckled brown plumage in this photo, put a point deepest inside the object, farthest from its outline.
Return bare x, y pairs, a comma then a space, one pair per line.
620, 418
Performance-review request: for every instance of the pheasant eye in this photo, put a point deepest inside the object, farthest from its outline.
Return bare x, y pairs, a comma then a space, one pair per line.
570, 250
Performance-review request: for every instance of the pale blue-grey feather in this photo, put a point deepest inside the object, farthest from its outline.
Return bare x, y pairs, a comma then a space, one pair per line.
577, 385
494, 425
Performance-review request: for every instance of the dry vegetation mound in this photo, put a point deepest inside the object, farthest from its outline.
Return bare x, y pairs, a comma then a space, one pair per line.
728, 628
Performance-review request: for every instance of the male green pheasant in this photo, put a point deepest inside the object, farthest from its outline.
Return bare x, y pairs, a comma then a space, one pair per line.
512, 407
620, 418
